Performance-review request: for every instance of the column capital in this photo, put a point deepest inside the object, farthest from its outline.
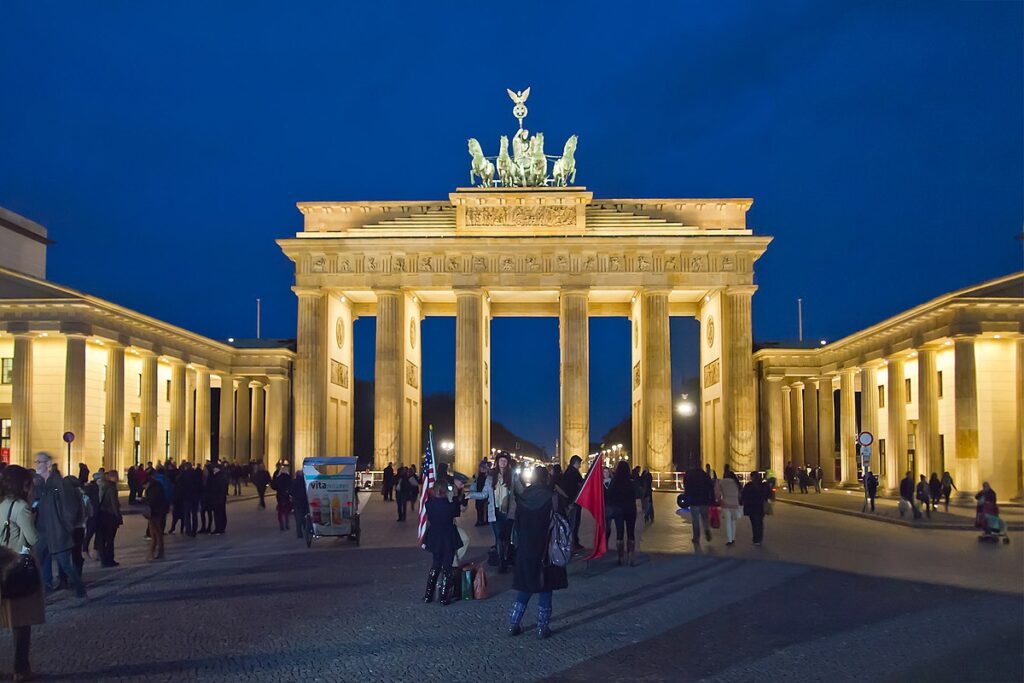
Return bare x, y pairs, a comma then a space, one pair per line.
256, 384
737, 290
786, 388
307, 291
574, 289
796, 385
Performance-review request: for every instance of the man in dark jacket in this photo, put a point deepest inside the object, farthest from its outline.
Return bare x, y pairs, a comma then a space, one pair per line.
389, 482
300, 503
218, 484
907, 494
262, 480
59, 511
108, 518
700, 492
282, 485
568, 488
92, 490
158, 504
870, 490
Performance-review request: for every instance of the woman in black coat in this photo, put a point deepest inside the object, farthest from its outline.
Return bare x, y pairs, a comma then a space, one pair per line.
621, 498
533, 572
442, 540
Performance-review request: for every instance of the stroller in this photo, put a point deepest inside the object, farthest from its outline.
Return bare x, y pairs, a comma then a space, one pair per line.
991, 524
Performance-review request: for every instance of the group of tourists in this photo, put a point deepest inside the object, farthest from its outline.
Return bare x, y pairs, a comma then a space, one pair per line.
927, 492
402, 487
711, 501
803, 476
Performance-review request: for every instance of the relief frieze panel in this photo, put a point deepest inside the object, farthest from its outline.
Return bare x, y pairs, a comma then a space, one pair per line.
520, 216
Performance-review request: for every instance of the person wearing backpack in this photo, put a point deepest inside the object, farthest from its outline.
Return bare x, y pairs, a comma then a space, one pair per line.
19, 536
534, 570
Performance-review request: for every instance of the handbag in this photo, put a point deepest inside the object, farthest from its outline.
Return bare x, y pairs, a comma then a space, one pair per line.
480, 584
715, 516
20, 577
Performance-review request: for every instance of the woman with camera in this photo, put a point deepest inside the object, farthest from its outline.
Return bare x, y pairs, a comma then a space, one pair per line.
444, 505
18, 536
501, 490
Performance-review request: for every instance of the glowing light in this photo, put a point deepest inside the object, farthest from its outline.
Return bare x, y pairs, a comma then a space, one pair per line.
824, 341
231, 340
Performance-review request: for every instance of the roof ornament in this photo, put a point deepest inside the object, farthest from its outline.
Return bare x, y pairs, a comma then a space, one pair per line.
528, 164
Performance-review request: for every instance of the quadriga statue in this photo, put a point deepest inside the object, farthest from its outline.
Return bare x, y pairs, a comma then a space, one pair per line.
564, 171
480, 167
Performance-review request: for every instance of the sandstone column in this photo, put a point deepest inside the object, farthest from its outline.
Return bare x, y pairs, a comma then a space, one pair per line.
848, 426
1020, 417
114, 455
389, 378
21, 395
149, 446
927, 446
74, 402
965, 391
869, 411
202, 452
775, 426
574, 348
741, 416
190, 414
811, 455
787, 425
896, 436
277, 423
656, 368
311, 375
226, 424
178, 426
243, 406
796, 413
470, 320
826, 431
258, 430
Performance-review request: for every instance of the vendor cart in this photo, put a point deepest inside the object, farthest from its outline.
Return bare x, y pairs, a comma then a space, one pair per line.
333, 498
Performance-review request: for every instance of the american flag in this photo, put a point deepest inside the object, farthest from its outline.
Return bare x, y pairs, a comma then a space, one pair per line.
428, 476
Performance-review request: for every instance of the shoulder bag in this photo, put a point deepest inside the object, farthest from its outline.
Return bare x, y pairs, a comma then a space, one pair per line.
19, 578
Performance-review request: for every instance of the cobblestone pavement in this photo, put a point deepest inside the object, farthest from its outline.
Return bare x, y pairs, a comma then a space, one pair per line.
257, 605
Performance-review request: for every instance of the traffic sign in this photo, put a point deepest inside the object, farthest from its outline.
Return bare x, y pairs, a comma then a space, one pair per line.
69, 437
865, 438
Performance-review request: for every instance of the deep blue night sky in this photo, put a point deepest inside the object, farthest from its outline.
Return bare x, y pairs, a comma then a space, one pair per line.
165, 145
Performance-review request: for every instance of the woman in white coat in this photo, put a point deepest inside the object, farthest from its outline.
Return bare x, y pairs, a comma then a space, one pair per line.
501, 490
727, 495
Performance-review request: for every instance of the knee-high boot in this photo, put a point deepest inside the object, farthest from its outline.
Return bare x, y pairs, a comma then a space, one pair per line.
447, 596
543, 622
515, 618
431, 585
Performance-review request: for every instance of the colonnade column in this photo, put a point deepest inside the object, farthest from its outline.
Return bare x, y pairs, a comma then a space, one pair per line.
388, 380
21, 396
796, 414
277, 421
259, 426
965, 390
226, 425
826, 431
775, 425
869, 410
848, 426
310, 389
811, 455
1020, 417
470, 322
202, 449
737, 349
190, 414
178, 452
927, 442
574, 351
114, 456
787, 424
896, 433
243, 408
74, 400
656, 370
148, 447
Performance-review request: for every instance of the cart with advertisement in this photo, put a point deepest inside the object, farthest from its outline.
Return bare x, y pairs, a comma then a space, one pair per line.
333, 498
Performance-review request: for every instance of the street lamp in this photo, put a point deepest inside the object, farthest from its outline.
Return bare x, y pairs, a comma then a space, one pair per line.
686, 407
447, 446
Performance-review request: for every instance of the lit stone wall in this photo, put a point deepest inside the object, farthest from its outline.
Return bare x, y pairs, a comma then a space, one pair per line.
997, 410
95, 404
48, 360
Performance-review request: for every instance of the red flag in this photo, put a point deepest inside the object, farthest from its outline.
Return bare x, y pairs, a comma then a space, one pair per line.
591, 498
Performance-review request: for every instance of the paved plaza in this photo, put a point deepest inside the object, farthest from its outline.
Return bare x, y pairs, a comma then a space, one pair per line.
828, 597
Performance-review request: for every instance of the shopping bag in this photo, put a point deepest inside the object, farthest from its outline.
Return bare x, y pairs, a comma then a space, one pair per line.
480, 584
715, 516
904, 506
467, 582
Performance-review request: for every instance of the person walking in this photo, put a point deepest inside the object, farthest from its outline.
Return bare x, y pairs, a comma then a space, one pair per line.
727, 495
802, 478
534, 574
262, 480
947, 488
133, 492
789, 472
621, 497
157, 504
402, 492
78, 533
818, 477
388, 485
569, 487
19, 536
647, 483
300, 503
870, 489
442, 539
108, 518
753, 498
923, 496
282, 485
935, 490
907, 494
235, 477
58, 512
700, 492
92, 491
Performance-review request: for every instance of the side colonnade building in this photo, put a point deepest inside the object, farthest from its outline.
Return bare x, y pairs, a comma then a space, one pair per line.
940, 387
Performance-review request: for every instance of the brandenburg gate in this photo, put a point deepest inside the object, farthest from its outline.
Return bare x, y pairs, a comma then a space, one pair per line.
523, 244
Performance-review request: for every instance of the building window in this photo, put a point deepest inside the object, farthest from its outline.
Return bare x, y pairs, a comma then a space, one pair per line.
906, 388
939, 382
5, 439
140, 384
942, 452
6, 370
881, 395
881, 456
167, 391
167, 444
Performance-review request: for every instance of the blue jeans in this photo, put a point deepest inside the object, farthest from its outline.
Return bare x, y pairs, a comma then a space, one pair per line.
697, 514
544, 598
63, 560
502, 529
